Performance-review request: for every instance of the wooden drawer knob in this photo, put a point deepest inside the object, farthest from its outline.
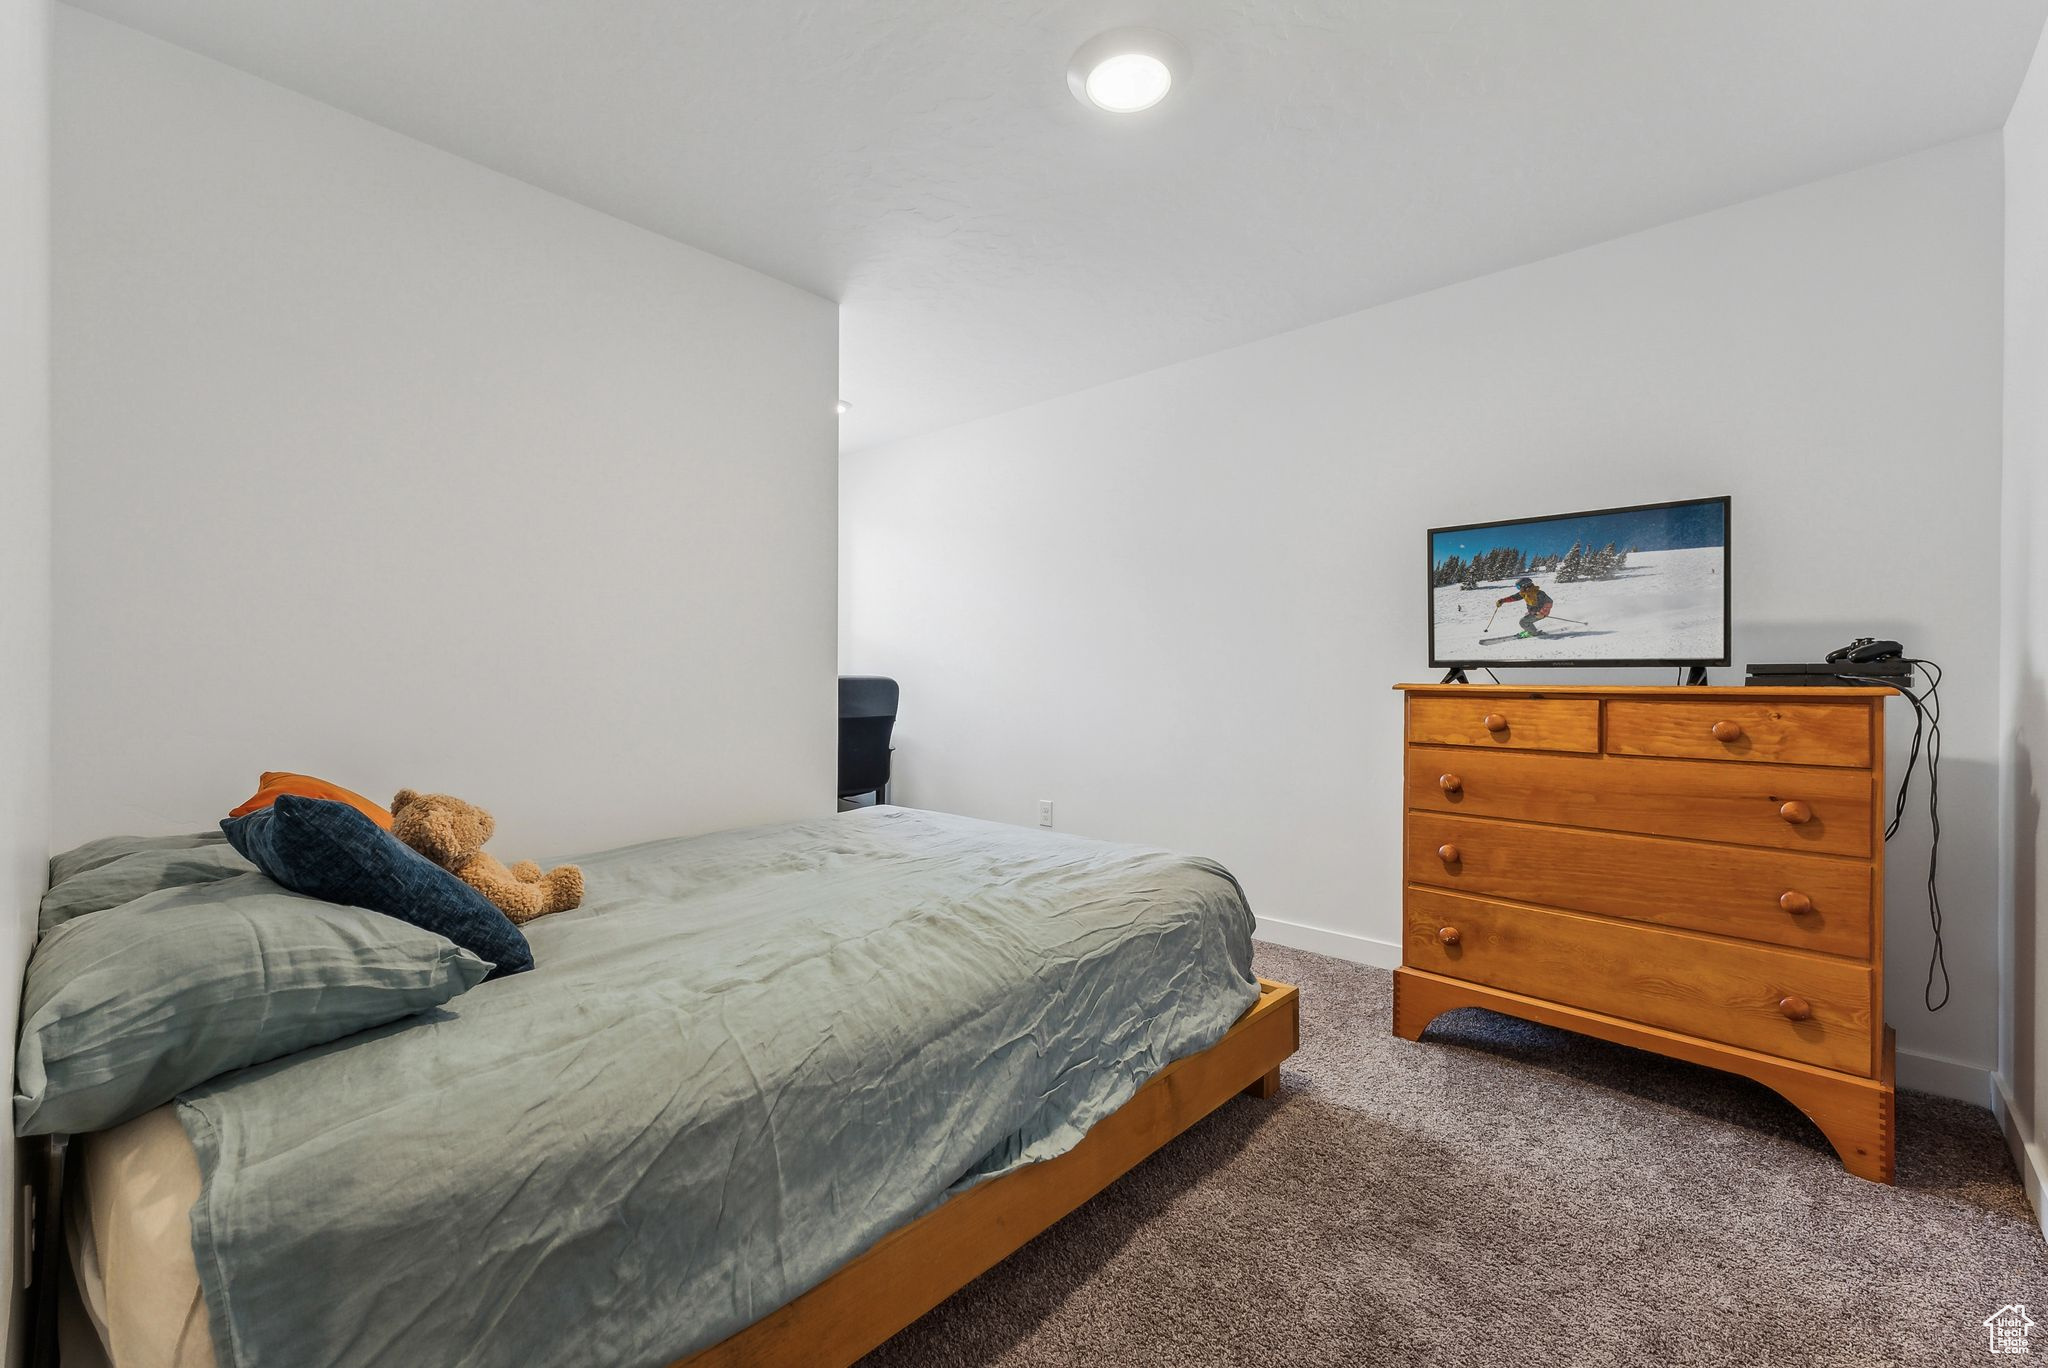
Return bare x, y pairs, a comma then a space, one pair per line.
1450, 783
1496, 723
1447, 853
1727, 731
1795, 1008
1795, 903
1796, 812
1449, 935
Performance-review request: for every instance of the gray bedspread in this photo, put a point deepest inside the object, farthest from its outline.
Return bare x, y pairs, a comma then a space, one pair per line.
746, 1058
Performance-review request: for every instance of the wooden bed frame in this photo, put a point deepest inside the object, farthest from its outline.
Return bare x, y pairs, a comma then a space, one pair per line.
912, 1269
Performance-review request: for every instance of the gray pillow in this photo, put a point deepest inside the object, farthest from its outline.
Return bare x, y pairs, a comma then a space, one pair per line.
107, 849
105, 874
125, 1009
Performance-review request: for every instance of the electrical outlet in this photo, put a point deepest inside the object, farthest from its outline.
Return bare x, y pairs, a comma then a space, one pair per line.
1045, 812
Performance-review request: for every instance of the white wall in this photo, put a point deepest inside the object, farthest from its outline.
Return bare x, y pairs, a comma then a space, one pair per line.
1175, 604
376, 464
24, 540
2023, 701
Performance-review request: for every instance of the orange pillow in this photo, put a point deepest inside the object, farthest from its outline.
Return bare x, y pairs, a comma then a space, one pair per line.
277, 783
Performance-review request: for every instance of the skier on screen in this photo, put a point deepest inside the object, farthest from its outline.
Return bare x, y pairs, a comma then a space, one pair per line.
1539, 603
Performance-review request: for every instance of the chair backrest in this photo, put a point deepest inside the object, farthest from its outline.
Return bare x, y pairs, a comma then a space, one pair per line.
867, 717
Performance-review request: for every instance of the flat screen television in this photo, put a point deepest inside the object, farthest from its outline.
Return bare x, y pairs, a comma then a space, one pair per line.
1646, 585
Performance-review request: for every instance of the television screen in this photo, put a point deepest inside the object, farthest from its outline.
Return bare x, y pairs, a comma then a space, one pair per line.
1617, 586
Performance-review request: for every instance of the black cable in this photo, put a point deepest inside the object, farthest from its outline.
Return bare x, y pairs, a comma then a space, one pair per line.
1912, 759
1926, 724
1938, 960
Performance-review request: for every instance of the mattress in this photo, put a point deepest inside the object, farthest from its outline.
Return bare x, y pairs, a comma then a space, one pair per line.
130, 1239
743, 1061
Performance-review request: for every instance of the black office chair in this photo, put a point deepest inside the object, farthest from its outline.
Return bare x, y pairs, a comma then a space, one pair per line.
867, 715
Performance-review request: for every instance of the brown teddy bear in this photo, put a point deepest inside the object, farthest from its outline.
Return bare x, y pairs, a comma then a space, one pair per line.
452, 833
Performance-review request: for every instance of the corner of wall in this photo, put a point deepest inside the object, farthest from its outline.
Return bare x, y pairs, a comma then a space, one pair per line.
24, 545
2027, 1152
2021, 1084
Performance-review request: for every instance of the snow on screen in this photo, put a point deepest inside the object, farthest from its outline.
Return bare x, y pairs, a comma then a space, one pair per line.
1653, 605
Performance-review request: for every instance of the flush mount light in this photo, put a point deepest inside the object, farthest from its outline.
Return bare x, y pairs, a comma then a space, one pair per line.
842, 408
1126, 70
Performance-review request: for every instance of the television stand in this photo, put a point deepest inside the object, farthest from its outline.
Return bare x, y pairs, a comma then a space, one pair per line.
1696, 675
1454, 677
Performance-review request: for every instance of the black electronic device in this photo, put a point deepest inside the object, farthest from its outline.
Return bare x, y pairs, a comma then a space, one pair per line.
1866, 650
1828, 679
1899, 666
1642, 585
1866, 660
1829, 674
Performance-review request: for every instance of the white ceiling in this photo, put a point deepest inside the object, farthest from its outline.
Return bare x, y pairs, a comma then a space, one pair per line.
993, 243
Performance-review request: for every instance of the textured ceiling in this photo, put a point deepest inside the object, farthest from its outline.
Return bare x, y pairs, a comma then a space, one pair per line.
993, 243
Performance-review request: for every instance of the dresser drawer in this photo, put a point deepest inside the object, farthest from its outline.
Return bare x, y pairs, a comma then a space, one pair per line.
1797, 1006
1819, 810
1562, 724
1788, 733
1812, 902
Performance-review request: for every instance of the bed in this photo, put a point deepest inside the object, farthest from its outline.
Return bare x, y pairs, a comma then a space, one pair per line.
771, 1095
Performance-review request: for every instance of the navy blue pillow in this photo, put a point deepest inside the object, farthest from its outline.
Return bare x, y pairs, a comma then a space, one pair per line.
331, 851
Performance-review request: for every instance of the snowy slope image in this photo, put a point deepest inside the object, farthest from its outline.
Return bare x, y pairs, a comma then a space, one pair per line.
1657, 605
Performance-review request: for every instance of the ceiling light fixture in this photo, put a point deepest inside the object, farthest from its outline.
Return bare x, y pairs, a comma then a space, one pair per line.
842, 408
1126, 70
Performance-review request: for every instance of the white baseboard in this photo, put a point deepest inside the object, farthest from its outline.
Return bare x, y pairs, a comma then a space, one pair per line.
1970, 1083
1344, 945
2027, 1153
1943, 1077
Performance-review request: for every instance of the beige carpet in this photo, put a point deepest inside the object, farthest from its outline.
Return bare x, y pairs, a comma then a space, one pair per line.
1502, 1193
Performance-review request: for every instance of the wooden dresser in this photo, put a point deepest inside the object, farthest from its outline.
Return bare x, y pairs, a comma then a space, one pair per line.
1694, 871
